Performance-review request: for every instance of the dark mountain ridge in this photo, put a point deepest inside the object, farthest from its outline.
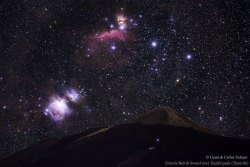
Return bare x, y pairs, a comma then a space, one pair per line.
160, 135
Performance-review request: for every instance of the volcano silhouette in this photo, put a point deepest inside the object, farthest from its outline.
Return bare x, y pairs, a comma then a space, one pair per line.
159, 136
168, 116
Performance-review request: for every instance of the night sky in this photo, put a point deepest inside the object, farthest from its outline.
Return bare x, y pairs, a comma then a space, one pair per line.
69, 65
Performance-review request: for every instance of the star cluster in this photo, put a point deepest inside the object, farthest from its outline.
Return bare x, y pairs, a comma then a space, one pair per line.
67, 66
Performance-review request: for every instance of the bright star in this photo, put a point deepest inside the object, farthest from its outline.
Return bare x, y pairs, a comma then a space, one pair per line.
122, 27
189, 56
154, 44
113, 47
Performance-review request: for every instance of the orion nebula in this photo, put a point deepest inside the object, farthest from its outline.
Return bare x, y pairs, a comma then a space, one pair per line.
57, 109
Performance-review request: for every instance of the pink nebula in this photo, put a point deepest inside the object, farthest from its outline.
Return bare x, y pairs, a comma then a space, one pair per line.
114, 49
116, 34
57, 109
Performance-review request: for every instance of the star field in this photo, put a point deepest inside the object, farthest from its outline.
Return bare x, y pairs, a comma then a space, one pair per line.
69, 65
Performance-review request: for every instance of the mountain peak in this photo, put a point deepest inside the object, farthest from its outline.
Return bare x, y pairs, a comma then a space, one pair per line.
160, 135
168, 116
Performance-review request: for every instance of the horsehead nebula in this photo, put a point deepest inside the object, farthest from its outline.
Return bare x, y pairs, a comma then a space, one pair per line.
113, 48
